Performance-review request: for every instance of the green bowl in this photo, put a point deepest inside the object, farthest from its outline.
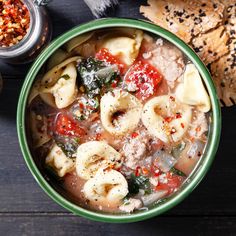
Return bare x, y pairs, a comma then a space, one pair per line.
199, 171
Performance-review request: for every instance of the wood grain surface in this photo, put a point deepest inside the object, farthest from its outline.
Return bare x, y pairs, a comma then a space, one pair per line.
26, 210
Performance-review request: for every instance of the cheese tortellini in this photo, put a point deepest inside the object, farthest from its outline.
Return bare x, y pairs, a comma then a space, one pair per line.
59, 161
166, 118
107, 185
120, 112
58, 87
52, 76
192, 91
124, 45
78, 41
94, 155
65, 90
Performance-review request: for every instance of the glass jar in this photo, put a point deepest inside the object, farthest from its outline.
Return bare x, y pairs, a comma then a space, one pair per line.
37, 37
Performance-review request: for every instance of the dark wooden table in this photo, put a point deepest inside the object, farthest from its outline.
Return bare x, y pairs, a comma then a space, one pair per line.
26, 210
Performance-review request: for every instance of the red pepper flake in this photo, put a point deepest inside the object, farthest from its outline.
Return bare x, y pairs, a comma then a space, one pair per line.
168, 119
178, 116
182, 125
110, 167
145, 171
137, 171
198, 129
14, 22
134, 135
172, 98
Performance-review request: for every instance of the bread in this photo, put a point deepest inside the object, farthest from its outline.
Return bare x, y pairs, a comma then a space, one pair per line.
211, 45
185, 18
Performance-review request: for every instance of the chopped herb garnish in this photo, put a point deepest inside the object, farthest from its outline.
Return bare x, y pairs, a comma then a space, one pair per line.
177, 172
66, 76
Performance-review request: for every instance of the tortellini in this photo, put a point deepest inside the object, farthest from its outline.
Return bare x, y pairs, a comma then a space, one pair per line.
125, 46
57, 57
49, 88
64, 91
192, 91
93, 155
166, 118
107, 185
52, 76
120, 112
59, 161
38, 126
78, 41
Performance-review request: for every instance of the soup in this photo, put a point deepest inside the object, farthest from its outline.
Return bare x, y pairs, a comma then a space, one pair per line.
119, 119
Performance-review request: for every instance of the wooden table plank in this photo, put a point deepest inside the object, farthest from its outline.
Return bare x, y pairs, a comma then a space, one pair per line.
77, 226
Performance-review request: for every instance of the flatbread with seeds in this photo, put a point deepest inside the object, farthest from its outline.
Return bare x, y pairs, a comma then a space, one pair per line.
211, 45
185, 18
230, 17
224, 70
224, 76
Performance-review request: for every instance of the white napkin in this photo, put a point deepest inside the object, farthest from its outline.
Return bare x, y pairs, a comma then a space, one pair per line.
98, 7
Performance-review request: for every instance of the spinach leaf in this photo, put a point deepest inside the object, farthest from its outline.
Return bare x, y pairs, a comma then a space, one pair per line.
69, 146
138, 182
177, 172
95, 75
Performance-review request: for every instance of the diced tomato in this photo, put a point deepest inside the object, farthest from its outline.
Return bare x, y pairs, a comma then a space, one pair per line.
67, 126
134, 135
173, 182
114, 84
105, 55
145, 77
137, 171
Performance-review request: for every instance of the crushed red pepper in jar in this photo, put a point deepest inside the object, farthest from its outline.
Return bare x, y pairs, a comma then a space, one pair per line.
14, 22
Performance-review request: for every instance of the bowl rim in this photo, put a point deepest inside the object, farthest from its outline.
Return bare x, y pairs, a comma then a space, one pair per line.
110, 23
